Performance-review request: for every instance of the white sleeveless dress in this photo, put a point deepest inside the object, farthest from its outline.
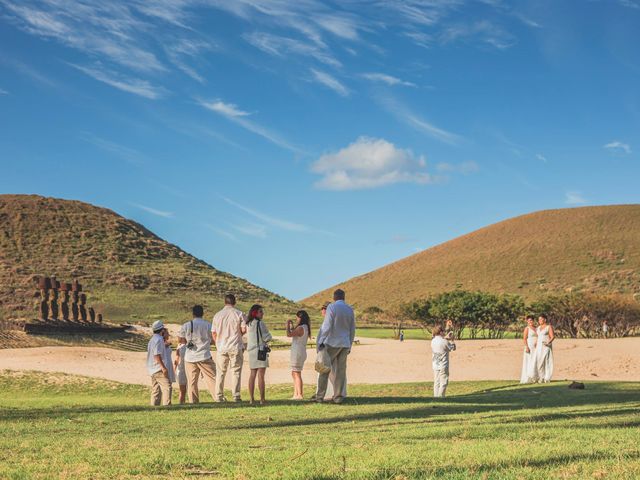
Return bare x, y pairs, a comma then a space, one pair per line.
544, 356
299, 350
529, 367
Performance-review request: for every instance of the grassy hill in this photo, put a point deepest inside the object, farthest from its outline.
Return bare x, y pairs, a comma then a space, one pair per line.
128, 272
62, 426
590, 249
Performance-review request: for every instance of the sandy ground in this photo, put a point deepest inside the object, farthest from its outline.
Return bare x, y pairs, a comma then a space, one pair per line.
373, 361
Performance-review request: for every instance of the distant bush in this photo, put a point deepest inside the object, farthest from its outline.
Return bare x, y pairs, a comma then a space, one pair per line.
582, 315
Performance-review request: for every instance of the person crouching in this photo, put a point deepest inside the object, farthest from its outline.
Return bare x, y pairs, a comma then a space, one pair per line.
160, 384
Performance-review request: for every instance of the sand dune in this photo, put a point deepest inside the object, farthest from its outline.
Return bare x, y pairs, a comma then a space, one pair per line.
374, 361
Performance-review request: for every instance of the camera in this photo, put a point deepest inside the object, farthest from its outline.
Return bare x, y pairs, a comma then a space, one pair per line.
263, 352
191, 346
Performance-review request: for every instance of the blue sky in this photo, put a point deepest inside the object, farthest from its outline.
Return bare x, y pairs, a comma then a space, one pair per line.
300, 143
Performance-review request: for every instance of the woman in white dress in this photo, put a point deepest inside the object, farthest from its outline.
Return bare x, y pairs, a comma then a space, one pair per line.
257, 337
544, 350
530, 338
299, 334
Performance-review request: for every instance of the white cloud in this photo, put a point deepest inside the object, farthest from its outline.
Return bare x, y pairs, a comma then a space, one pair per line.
284, 46
252, 230
464, 168
221, 232
388, 79
481, 32
136, 86
330, 82
238, 116
574, 198
268, 219
153, 211
129, 154
541, 157
405, 115
369, 163
191, 50
619, 147
3, 92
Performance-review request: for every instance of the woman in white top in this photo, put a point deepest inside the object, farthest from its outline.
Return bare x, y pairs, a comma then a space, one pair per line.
257, 337
181, 374
544, 351
299, 334
530, 338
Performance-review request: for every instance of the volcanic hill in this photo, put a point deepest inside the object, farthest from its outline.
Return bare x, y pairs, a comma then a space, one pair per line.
589, 249
127, 272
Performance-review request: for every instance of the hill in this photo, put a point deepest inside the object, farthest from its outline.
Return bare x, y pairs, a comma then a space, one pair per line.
127, 271
590, 249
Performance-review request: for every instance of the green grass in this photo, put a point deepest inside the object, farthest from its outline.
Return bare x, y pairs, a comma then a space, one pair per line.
59, 426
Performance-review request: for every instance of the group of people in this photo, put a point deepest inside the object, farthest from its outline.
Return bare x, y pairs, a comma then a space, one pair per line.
537, 360
226, 331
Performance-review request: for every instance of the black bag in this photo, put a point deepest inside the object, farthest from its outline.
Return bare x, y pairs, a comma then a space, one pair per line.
263, 351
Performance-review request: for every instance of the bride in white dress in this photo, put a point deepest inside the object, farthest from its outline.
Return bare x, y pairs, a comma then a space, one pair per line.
544, 350
529, 366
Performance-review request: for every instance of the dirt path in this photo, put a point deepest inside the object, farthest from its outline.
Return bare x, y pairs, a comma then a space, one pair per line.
374, 361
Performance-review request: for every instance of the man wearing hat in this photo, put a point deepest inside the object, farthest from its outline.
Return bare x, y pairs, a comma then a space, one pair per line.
160, 384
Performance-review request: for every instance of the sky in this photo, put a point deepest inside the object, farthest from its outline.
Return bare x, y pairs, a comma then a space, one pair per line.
298, 143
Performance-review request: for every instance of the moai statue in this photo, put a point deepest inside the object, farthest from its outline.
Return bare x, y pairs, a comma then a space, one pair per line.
92, 315
53, 299
99, 318
76, 288
64, 303
44, 284
83, 307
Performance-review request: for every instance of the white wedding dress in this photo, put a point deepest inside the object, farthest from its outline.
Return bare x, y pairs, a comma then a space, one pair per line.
544, 356
529, 365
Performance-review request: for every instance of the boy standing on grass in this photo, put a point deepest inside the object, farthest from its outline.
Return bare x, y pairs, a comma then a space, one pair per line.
440, 347
160, 384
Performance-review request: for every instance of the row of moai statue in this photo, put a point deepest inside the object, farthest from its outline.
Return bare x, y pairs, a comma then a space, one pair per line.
52, 307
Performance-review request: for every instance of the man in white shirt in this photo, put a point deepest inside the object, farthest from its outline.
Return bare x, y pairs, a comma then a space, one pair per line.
227, 328
440, 348
196, 334
336, 335
160, 384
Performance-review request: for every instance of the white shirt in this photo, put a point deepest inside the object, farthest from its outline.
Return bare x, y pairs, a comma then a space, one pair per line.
440, 348
155, 347
226, 325
339, 326
197, 331
166, 358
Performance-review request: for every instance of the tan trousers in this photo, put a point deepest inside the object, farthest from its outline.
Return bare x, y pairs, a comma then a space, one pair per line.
160, 389
339, 366
440, 382
193, 370
232, 361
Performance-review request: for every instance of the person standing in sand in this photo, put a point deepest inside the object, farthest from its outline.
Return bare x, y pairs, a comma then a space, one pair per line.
440, 348
227, 328
299, 334
160, 385
336, 335
196, 334
544, 350
529, 367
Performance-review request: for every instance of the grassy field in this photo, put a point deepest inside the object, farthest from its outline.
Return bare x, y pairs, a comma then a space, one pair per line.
59, 426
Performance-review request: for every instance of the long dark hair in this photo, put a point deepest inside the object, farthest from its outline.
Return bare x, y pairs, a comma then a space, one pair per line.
253, 312
304, 318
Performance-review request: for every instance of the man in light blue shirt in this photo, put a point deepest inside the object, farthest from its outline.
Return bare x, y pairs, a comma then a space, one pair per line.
336, 335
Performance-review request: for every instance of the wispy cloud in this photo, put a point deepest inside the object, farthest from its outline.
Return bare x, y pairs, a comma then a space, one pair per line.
136, 86
388, 79
251, 229
221, 232
369, 163
3, 92
464, 168
268, 219
481, 32
574, 198
330, 82
232, 112
153, 211
541, 157
126, 153
617, 146
187, 49
280, 46
405, 115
